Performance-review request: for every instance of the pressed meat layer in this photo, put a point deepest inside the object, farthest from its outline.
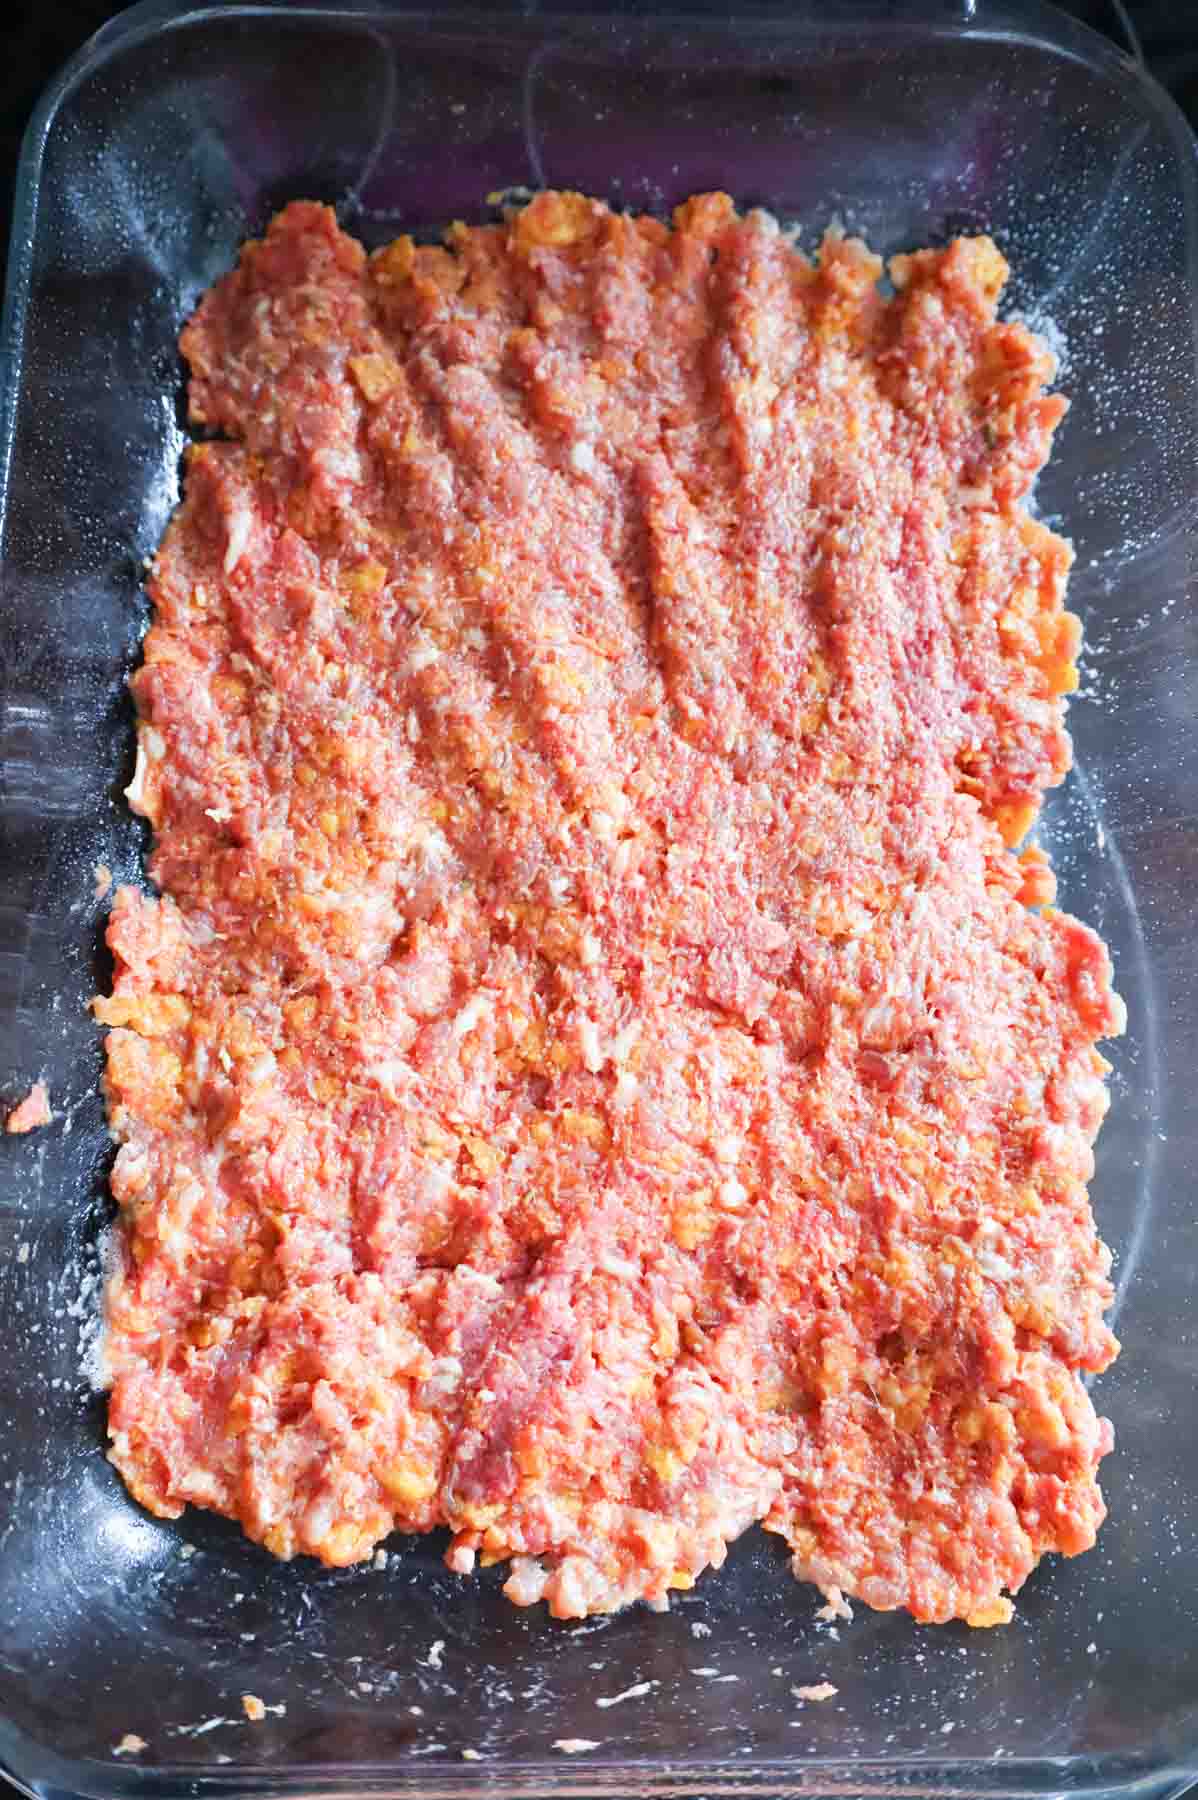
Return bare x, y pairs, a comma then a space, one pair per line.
590, 1076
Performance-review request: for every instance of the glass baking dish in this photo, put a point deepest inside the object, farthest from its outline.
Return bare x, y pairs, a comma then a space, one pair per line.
171, 137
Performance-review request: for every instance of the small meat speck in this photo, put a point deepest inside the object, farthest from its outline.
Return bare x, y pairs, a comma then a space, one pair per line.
130, 1745
253, 1708
576, 1746
836, 1607
31, 1112
635, 1692
820, 1690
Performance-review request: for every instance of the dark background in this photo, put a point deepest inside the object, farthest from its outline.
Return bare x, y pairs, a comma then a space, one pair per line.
1165, 30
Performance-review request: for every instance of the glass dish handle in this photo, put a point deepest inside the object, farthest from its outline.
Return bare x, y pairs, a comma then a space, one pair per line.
1113, 18
1127, 30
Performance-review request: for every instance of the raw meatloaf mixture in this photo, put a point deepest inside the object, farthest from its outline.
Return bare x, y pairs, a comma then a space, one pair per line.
591, 1075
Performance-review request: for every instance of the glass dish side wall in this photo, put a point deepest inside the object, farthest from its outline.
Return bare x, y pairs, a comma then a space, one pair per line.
176, 138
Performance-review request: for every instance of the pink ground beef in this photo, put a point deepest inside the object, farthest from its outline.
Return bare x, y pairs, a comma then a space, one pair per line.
591, 1076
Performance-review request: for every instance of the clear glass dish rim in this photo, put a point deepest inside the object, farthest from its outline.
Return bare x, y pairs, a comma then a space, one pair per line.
1113, 1776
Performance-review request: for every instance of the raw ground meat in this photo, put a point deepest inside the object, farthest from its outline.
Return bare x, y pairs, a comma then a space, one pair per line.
592, 1076
31, 1112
